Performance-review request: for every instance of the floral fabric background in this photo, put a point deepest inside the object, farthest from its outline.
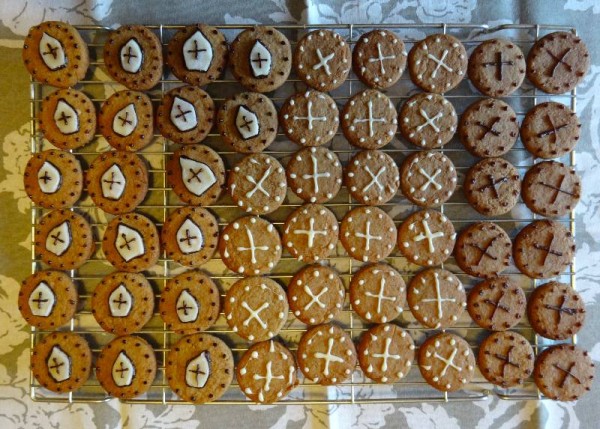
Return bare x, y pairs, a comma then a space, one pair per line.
16, 408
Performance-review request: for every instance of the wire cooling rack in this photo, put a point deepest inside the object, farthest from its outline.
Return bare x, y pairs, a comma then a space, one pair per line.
161, 200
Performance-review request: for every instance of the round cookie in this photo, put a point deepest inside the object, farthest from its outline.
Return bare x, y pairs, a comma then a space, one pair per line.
437, 63
250, 245
385, 353
372, 177
257, 184
53, 179
54, 53
256, 308
543, 249
446, 362
368, 234
48, 299
133, 57
506, 359
126, 367
326, 354
558, 62
248, 122
426, 238
377, 293
61, 362
496, 304
428, 120
190, 236
190, 302
261, 58
555, 310
497, 67
267, 372
310, 233
117, 182
436, 298
322, 60
131, 243
309, 118
488, 128
197, 175
492, 186
314, 174
185, 115
63, 240
123, 303
550, 130
199, 368
551, 189
427, 178
67, 119
379, 58
197, 54
316, 294
483, 249
126, 120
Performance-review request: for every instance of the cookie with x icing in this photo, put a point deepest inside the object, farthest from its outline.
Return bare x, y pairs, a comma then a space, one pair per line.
197, 175
368, 234
63, 240
497, 304
131, 243
427, 178
314, 174
379, 58
322, 60
310, 232
250, 246
257, 184
506, 359
372, 177
492, 186
309, 118
483, 249
248, 122
428, 120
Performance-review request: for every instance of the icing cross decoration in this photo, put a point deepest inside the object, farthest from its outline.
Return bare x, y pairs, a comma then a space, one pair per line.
59, 239
259, 55
558, 189
129, 243
310, 233
120, 302
428, 235
484, 251
196, 176
494, 184
197, 52
268, 377
183, 114
448, 362
66, 118
125, 121
553, 130
113, 183
489, 129
498, 64
506, 360
547, 249
386, 354
131, 56
187, 307
560, 59
252, 248
568, 373
247, 123
314, 299
367, 236
439, 299
42, 300
315, 176
189, 237
123, 370
381, 58
324, 62
197, 370
309, 116
328, 357
380, 295
430, 179
497, 305
439, 63
52, 52
429, 121
258, 186
374, 178
59, 364
370, 119
255, 314
562, 309
49, 178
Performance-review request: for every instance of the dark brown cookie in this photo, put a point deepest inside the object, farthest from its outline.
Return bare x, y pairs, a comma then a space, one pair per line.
506, 359
497, 304
385, 353
314, 174
310, 233
368, 234
372, 177
427, 178
483, 249
551, 189
379, 58
428, 120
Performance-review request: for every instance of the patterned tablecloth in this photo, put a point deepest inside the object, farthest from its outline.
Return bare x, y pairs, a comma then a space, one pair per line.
16, 408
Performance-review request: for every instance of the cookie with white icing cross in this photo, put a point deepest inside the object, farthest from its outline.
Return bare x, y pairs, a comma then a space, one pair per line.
379, 58
428, 120
123, 303
258, 184
309, 118
506, 359
310, 233
314, 174
261, 58
48, 299
368, 234
497, 304
437, 63
131, 243
53, 179
256, 308
316, 294
190, 302
197, 175
63, 240
190, 236
267, 372
385, 353
117, 181
199, 368
326, 354
427, 178
126, 367
250, 245
372, 177
322, 59
483, 249
68, 119
197, 54
133, 57
446, 362
185, 115
377, 293
54, 53
369, 120
126, 120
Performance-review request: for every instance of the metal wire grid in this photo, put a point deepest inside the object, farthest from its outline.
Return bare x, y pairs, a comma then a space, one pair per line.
160, 199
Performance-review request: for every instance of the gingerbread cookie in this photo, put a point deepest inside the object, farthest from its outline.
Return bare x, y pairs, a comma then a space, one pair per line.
428, 120
379, 58
483, 249
385, 353
427, 178
551, 189
506, 359
372, 177
497, 304
368, 234
314, 174
310, 232
492, 186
